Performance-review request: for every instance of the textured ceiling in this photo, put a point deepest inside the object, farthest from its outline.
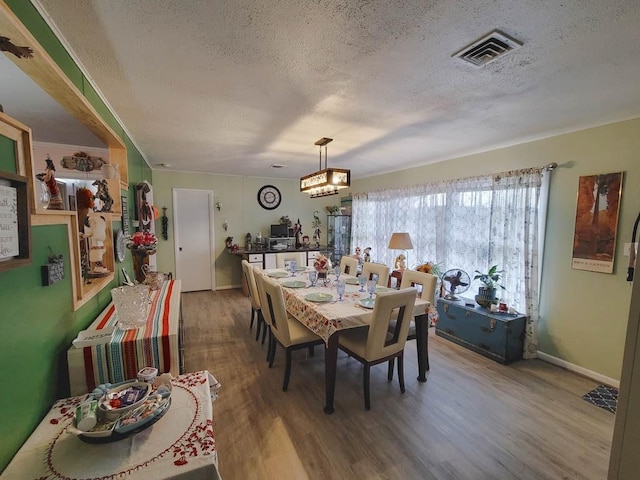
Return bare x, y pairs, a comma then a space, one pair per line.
234, 86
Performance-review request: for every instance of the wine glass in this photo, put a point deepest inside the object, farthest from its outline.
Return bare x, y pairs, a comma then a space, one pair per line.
340, 288
293, 265
336, 272
362, 281
313, 277
371, 287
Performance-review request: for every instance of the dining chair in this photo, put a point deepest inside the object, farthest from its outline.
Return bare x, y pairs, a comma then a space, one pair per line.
284, 328
258, 274
349, 265
282, 259
371, 346
369, 269
256, 312
425, 283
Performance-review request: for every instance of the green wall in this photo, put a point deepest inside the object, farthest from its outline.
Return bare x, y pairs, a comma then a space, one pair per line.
37, 324
238, 196
583, 314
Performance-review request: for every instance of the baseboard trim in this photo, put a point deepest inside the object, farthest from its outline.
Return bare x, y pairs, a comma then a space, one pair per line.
228, 287
579, 370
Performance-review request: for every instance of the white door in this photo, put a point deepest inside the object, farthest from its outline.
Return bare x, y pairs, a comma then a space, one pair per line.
193, 233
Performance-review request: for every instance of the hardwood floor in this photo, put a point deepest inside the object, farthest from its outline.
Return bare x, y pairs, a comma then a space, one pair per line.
474, 419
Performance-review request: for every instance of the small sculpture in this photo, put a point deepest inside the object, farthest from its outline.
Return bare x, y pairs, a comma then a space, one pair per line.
21, 52
48, 177
316, 228
358, 255
228, 242
367, 254
96, 231
400, 263
103, 195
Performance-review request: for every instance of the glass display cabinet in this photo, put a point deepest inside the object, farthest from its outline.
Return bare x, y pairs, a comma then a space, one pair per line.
338, 236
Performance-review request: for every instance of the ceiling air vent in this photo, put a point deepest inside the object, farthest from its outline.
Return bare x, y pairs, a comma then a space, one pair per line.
488, 48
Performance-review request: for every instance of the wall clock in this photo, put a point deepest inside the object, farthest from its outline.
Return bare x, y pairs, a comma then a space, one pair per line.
269, 197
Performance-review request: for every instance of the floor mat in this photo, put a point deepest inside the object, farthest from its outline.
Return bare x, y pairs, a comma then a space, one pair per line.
604, 397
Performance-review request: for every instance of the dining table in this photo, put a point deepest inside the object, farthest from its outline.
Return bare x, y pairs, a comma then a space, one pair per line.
320, 309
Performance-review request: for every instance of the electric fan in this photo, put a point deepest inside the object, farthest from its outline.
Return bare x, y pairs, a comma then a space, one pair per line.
455, 281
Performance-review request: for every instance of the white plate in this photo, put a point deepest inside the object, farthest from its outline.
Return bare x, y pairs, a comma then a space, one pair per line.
294, 284
318, 297
277, 274
352, 280
367, 302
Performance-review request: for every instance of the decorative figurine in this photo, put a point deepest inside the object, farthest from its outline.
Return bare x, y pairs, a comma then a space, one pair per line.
96, 231
103, 195
228, 242
367, 254
316, 228
358, 255
297, 232
247, 241
48, 177
400, 263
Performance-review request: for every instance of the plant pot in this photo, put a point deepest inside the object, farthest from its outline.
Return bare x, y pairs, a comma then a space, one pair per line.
486, 296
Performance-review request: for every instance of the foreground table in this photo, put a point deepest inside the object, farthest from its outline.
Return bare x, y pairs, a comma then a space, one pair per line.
157, 344
180, 444
327, 320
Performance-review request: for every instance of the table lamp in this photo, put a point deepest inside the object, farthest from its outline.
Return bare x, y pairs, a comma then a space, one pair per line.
400, 241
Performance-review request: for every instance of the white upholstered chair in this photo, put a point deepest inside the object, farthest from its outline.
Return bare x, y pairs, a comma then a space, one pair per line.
249, 278
282, 259
370, 268
284, 329
349, 265
425, 283
372, 345
258, 274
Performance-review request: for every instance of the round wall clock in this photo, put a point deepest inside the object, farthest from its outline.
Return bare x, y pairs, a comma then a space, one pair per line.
119, 244
269, 197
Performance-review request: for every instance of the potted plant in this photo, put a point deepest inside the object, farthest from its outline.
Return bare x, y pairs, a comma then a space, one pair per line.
487, 292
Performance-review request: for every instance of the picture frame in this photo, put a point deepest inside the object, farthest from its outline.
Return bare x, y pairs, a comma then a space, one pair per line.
15, 218
596, 222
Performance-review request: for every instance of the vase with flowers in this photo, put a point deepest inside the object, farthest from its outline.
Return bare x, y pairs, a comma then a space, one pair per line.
322, 265
141, 244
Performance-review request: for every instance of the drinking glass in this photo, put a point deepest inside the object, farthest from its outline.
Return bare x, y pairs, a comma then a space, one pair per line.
362, 281
371, 287
292, 267
340, 288
336, 272
313, 277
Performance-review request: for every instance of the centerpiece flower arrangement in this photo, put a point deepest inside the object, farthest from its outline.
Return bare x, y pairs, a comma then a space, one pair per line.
322, 264
142, 243
430, 267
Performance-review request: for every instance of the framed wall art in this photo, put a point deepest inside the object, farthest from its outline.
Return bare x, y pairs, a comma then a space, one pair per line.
596, 223
15, 227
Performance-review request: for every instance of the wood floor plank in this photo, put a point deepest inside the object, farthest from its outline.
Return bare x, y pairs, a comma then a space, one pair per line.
474, 418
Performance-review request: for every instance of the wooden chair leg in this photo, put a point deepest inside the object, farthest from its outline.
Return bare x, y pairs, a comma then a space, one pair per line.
269, 345
390, 370
401, 371
367, 391
287, 371
273, 351
264, 331
253, 314
260, 323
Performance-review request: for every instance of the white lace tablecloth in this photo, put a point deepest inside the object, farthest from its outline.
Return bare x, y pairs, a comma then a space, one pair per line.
180, 444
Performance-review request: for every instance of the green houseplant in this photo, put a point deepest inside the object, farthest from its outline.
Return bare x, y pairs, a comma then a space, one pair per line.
490, 284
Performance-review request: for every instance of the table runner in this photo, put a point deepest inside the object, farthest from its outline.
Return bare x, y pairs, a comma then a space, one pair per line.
181, 443
155, 344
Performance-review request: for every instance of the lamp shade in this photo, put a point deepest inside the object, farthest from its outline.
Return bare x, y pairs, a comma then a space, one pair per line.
400, 241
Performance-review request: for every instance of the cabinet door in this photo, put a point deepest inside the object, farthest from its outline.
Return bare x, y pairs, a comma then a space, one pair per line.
269, 261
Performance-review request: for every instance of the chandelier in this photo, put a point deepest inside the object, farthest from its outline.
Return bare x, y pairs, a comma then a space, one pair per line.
325, 181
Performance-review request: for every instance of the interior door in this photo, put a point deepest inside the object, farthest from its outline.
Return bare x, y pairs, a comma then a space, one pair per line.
193, 233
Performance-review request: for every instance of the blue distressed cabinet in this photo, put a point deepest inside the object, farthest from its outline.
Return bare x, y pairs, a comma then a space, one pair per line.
499, 336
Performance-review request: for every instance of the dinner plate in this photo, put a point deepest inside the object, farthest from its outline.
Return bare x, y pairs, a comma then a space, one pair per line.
318, 297
301, 269
352, 280
294, 284
278, 274
367, 302
383, 289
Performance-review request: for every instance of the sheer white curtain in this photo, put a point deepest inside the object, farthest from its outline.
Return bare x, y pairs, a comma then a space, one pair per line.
469, 224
